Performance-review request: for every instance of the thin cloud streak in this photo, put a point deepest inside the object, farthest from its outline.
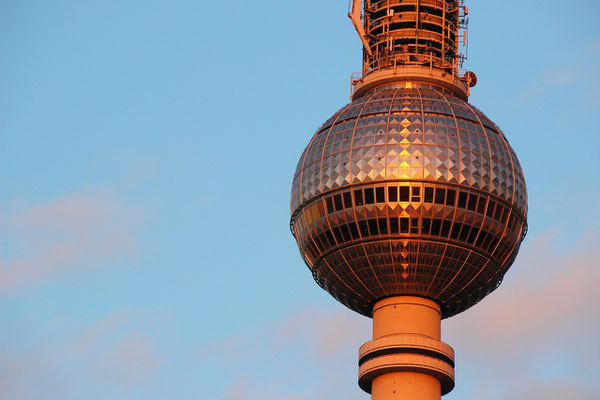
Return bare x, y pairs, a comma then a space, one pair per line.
108, 356
88, 229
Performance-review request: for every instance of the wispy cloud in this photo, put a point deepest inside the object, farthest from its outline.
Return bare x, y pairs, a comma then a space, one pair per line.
556, 80
88, 229
108, 356
560, 76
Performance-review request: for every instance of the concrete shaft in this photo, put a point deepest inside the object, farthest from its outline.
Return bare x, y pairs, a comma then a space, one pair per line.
407, 314
406, 359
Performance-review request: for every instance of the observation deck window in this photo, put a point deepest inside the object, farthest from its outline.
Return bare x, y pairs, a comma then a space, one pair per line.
369, 196
404, 193
393, 194
358, 197
440, 195
380, 194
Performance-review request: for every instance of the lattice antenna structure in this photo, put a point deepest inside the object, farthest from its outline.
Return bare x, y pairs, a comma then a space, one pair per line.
409, 205
412, 39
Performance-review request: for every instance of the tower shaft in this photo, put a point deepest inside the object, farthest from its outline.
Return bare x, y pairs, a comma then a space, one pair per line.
406, 358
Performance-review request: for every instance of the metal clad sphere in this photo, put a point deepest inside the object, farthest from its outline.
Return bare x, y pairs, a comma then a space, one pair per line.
409, 192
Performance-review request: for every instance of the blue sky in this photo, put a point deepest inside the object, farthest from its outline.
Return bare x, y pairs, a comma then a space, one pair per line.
146, 156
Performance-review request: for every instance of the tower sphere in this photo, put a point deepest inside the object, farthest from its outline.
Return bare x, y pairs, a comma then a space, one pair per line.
409, 190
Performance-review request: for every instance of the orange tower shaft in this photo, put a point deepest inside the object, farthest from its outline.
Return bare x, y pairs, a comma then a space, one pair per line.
406, 359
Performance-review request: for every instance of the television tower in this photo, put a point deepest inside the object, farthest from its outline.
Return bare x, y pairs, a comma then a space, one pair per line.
409, 205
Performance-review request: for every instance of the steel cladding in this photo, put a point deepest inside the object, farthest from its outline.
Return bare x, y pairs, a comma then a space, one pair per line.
409, 191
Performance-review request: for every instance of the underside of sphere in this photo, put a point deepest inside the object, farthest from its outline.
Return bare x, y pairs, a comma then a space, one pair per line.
409, 191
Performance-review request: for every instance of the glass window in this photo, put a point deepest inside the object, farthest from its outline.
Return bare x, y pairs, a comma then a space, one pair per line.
393, 194
337, 199
450, 197
486, 242
464, 232
380, 194
354, 231
403, 225
416, 193
440, 195
382, 226
358, 197
394, 225
481, 205
435, 226
455, 230
345, 232
490, 209
499, 212
364, 231
369, 196
472, 235
445, 228
373, 227
347, 200
462, 199
414, 225
428, 195
330, 238
404, 193
480, 239
329, 202
425, 226
338, 234
472, 202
